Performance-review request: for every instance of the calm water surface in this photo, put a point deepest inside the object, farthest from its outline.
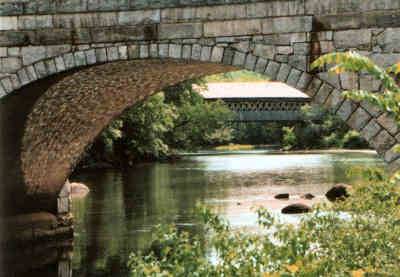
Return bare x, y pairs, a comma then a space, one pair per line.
119, 213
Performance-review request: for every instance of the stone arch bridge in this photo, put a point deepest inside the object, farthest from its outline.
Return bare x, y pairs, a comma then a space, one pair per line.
67, 67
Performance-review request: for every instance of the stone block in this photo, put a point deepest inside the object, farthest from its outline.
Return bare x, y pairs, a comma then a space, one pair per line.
232, 28
153, 51
285, 39
285, 50
3, 51
82, 36
80, 59
217, 54
371, 130
32, 54
250, 62
40, 69
133, 51
273, 69
71, 6
281, 25
187, 51
51, 66
326, 47
107, 5
261, 65
16, 38
323, 93
57, 50
60, 65
299, 62
338, 21
302, 48
183, 30
385, 60
8, 8
313, 87
2, 91
23, 76
369, 83
333, 101
125, 33
9, 23
382, 142
31, 73
243, 46
373, 110
239, 59
69, 59
304, 81
53, 36
178, 15
223, 12
10, 65
163, 50
359, 119
349, 80
283, 73
123, 52
282, 58
43, 21
265, 51
391, 155
228, 56
175, 51
389, 124
389, 40
139, 17
331, 78
7, 85
294, 77
205, 53
359, 39
15, 81
144, 52
346, 109
196, 52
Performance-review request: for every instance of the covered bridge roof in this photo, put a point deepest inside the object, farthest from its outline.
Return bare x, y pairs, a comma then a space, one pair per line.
264, 90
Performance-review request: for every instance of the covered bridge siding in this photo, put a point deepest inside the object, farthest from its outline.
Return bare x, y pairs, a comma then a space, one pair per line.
261, 101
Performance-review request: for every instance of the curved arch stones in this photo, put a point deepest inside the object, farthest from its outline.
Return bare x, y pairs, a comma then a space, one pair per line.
65, 62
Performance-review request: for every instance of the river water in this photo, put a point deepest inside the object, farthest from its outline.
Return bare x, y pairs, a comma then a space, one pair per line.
122, 208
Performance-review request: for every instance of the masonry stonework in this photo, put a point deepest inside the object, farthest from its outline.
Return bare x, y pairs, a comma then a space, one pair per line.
169, 41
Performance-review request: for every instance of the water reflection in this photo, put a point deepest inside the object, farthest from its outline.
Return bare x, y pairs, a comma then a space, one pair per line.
119, 213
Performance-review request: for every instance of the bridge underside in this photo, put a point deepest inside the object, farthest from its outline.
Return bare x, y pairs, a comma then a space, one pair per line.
64, 114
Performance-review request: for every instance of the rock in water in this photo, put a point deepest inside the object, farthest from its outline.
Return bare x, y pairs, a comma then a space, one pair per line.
282, 196
297, 208
307, 196
338, 192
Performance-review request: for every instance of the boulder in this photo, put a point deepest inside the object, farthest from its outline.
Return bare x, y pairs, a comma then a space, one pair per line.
337, 193
78, 190
307, 196
282, 196
297, 208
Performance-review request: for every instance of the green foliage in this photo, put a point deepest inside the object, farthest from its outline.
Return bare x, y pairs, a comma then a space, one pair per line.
289, 138
353, 140
257, 133
176, 119
351, 237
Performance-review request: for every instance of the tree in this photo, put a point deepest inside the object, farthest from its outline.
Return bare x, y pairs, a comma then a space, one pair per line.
387, 101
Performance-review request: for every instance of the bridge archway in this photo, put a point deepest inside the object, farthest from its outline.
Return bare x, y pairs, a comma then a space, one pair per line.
70, 98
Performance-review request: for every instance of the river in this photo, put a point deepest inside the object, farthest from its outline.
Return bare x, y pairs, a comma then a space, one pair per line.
122, 208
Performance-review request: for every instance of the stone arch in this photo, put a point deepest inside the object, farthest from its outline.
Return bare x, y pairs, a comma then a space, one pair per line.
127, 72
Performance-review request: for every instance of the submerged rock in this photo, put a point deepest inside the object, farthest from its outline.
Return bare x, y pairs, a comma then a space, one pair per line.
282, 196
297, 208
307, 196
78, 190
338, 192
